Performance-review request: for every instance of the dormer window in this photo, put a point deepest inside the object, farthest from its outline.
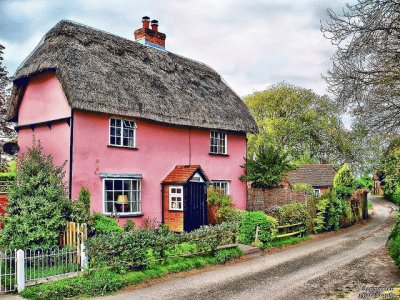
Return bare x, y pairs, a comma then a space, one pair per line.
218, 142
122, 133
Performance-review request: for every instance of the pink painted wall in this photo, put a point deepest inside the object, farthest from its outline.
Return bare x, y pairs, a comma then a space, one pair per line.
44, 100
160, 148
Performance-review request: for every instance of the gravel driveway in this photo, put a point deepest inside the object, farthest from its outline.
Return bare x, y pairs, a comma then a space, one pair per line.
338, 266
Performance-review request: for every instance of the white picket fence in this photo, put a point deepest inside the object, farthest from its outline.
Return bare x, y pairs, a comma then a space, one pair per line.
20, 268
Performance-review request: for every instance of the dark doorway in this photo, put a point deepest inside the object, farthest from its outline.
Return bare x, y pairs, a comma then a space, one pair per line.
195, 207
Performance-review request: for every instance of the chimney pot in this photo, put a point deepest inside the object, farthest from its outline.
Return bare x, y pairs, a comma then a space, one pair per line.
146, 21
154, 25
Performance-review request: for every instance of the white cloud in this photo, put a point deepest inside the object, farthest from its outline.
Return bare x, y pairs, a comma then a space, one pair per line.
252, 44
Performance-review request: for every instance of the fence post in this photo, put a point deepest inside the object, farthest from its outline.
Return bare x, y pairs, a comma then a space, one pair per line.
20, 270
84, 258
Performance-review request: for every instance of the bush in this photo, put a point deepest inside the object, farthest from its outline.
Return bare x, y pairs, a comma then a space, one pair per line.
37, 205
129, 226
303, 187
224, 255
267, 168
80, 208
294, 213
104, 224
135, 249
344, 177
220, 207
394, 242
250, 221
329, 208
120, 250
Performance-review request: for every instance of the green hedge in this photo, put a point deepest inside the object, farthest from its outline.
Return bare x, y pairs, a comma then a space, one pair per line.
394, 242
251, 220
137, 248
105, 225
294, 213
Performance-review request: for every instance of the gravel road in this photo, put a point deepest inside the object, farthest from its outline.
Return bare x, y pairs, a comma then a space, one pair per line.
338, 266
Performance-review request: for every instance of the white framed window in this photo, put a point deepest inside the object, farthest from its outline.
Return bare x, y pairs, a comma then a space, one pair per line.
122, 196
122, 133
221, 185
317, 192
176, 197
218, 142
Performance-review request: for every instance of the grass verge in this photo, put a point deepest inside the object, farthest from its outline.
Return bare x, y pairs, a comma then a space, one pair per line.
278, 243
102, 282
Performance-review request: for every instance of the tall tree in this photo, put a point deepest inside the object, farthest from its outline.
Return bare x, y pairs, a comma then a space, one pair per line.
6, 129
306, 126
365, 75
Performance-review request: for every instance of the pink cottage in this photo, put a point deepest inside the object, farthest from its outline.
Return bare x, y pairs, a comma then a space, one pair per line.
144, 129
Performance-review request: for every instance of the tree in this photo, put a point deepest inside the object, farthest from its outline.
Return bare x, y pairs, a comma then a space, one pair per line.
344, 177
6, 130
365, 74
37, 208
267, 168
307, 126
390, 170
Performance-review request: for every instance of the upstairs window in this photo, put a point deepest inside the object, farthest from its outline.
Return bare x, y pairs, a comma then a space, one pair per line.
122, 133
218, 142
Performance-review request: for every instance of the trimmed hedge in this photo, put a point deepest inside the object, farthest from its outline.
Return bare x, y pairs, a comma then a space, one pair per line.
137, 248
105, 225
394, 242
251, 220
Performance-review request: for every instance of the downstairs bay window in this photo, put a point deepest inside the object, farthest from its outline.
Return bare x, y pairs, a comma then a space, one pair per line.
122, 196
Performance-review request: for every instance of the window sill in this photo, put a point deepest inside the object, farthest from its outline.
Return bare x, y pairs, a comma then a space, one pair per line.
125, 215
176, 210
218, 154
122, 147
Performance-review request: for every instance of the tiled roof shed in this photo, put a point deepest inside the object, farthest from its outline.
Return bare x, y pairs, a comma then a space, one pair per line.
317, 175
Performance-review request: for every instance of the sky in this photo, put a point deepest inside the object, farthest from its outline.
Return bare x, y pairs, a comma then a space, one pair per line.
252, 44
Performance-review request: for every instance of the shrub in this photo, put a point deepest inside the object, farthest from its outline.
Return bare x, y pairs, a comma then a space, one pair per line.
250, 222
303, 187
343, 182
344, 177
329, 208
80, 208
220, 207
224, 255
150, 223
120, 250
37, 205
104, 224
294, 213
394, 242
129, 226
267, 168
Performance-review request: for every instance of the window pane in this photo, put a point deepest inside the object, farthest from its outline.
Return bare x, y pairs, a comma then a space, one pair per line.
127, 185
112, 122
118, 185
118, 122
112, 140
109, 207
118, 141
118, 131
108, 184
109, 196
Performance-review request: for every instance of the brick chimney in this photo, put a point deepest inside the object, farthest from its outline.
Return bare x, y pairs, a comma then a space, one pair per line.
150, 37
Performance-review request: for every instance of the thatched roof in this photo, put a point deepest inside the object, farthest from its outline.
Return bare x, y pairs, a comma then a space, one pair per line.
317, 175
105, 73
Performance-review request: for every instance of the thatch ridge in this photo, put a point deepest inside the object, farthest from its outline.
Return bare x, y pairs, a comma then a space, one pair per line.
105, 73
